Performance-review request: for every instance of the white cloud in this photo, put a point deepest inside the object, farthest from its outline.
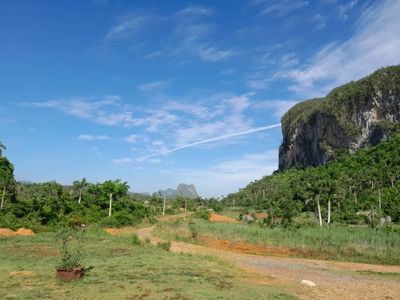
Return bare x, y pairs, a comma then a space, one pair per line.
375, 44
132, 139
107, 111
344, 9
320, 21
279, 107
196, 10
155, 85
153, 54
121, 161
130, 25
279, 8
88, 137
211, 54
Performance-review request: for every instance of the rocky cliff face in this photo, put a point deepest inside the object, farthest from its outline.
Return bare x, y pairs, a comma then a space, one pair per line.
356, 115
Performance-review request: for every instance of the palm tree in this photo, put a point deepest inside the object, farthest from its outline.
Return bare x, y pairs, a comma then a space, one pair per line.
114, 188
80, 186
2, 148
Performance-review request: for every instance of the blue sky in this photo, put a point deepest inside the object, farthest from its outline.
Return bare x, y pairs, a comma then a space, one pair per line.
163, 92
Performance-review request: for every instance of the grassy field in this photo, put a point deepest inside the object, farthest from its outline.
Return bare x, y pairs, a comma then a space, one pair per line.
335, 243
122, 270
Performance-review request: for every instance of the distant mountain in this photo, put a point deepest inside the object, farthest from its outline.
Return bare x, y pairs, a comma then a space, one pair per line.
182, 190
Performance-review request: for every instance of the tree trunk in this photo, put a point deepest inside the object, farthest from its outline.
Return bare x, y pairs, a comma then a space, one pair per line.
163, 209
319, 213
329, 211
80, 196
2, 198
185, 204
110, 207
379, 199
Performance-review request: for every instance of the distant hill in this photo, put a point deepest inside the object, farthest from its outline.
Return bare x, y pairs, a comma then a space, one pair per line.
182, 190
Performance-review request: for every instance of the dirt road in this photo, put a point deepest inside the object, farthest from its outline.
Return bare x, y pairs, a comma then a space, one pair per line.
333, 280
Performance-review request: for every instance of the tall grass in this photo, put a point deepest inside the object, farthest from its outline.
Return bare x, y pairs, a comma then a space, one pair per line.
342, 243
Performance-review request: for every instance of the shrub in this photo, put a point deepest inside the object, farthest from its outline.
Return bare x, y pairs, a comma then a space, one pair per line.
72, 240
203, 214
193, 230
164, 245
134, 240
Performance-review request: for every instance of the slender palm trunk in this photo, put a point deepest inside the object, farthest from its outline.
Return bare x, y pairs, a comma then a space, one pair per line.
329, 211
379, 199
80, 196
2, 198
163, 208
319, 213
110, 207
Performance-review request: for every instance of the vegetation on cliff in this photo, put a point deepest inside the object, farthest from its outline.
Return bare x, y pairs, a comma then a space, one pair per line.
345, 101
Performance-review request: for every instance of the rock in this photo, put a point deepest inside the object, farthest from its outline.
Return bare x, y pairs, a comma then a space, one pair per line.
308, 283
356, 115
182, 190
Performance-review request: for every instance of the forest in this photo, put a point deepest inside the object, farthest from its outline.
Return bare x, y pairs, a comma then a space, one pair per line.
360, 188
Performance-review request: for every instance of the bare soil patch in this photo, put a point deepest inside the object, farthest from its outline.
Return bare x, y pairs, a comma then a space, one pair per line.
220, 218
6, 232
248, 248
22, 273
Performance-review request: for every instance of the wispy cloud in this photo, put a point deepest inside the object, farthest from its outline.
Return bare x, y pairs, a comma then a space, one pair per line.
375, 43
211, 140
107, 111
130, 25
278, 107
155, 85
279, 8
88, 137
344, 9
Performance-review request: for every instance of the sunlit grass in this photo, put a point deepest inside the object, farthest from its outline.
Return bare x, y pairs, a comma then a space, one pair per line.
121, 269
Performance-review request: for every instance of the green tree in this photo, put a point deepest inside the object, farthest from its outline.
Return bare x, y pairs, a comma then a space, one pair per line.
113, 189
6, 177
80, 185
2, 148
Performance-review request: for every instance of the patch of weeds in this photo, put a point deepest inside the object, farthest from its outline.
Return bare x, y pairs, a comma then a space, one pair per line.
147, 240
134, 240
392, 275
193, 230
164, 245
282, 296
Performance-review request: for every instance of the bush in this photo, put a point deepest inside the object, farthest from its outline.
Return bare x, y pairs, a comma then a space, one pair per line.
164, 245
203, 214
134, 240
193, 230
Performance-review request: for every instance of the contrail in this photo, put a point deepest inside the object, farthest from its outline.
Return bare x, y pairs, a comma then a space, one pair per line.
218, 138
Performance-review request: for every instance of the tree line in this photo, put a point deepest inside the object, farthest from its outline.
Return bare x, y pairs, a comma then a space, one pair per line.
355, 188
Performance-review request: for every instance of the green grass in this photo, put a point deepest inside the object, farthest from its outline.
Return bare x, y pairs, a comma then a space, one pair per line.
335, 243
121, 269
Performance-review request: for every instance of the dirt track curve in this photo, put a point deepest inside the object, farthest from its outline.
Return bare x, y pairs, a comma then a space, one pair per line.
334, 280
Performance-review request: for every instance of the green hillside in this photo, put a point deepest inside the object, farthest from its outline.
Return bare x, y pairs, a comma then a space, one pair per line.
359, 188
